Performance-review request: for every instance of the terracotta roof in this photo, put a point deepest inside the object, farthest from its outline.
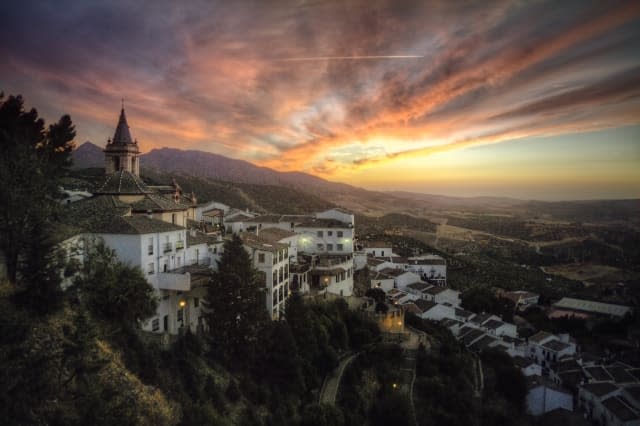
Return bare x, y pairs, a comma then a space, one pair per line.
481, 318
266, 218
238, 218
620, 408
157, 203
424, 305
493, 324
275, 234
482, 343
131, 225
556, 345
375, 244
600, 389
620, 375
123, 183
419, 285
433, 290
472, 336
540, 336
592, 306
254, 241
411, 307
323, 223
463, 313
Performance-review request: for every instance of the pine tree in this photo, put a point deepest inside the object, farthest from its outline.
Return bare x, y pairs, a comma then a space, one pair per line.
235, 305
32, 162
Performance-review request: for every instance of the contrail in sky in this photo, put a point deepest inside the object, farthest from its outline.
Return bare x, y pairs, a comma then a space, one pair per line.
348, 58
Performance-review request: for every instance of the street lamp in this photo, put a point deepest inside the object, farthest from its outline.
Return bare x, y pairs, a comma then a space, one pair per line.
182, 303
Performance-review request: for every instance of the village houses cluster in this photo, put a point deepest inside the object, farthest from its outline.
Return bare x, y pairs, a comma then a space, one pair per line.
176, 241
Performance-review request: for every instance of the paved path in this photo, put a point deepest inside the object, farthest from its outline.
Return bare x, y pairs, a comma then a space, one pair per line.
332, 382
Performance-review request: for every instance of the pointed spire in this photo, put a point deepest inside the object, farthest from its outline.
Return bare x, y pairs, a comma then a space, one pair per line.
122, 135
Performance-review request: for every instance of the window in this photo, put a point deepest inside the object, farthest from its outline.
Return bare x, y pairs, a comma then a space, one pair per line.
280, 274
151, 268
275, 297
155, 324
340, 234
180, 314
196, 302
329, 233
329, 247
174, 218
320, 234
320, 247
260, 257
150, 246
339, 247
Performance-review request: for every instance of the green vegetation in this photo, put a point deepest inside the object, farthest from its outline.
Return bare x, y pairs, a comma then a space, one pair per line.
370, 390
446, 384
32, 162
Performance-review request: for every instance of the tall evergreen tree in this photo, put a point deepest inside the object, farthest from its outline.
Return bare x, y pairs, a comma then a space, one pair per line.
32, 162
235, 305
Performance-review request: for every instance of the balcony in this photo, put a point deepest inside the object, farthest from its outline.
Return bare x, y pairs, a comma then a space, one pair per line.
179, 245
185, 278
166, 248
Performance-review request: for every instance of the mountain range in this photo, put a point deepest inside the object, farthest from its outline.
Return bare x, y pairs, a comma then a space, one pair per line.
215, 167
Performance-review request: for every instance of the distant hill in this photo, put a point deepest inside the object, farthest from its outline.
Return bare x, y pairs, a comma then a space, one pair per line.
214, 166
88, 155
245, 183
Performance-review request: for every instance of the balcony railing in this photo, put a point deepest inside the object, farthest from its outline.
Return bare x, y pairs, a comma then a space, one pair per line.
179, 245
167, 247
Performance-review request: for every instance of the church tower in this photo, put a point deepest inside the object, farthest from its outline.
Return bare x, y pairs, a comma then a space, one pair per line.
122, 152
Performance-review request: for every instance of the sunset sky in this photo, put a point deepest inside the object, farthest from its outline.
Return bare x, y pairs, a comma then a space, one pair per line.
529, 99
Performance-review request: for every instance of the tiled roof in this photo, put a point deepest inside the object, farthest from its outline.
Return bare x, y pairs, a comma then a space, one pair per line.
471, 337
266, 218
419, 285
480, 318
619, 407
556, 345
254, 241
200, 238
592, 306
540, 336
493, 324
522, 362
238, 218
154, 202
375, 244
435, 290
424, 305
131, 225
275, 234
123, 183
463, 313
598, 373
483, 343
323, 223
411, 307
600, 389
620, 375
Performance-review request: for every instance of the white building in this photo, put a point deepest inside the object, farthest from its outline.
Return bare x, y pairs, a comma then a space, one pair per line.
546, 348
272, 259
545, 396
